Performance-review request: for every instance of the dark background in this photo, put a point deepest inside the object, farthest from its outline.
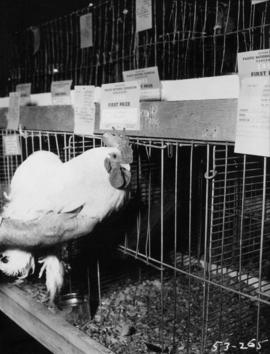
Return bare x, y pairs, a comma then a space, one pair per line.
13, 340
17, 15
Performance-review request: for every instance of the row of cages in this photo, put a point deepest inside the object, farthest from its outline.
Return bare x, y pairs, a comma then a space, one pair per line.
187, 39
194, 236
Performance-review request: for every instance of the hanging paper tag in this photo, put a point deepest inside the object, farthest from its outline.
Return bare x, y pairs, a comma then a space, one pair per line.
254, 63
148, 79
254, 2
13, 115
143, 15
25, 93
253, 121
84, 110
120, 106
12, 145
36, 39
60, 91
86, 30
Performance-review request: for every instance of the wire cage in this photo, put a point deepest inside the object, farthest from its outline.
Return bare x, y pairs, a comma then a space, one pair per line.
189, 38
30, 141
203, 221
189, 270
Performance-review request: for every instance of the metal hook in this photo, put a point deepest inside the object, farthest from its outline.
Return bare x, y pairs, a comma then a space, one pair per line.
148, 151
213, 175
170, 151
23, 133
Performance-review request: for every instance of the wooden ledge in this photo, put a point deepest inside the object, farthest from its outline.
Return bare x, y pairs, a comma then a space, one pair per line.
207, 120
49, 329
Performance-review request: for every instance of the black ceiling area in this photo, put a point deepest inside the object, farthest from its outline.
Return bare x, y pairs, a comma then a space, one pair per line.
20, 14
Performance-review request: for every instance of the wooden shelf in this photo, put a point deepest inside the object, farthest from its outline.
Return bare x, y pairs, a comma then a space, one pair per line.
48, 328
204, 120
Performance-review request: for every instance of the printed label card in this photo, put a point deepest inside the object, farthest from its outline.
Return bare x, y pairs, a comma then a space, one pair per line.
255, 2
60, 91
13, 116
148, 79
253, 121
86, 30
120, 106
254, 63
143, 15
84, 110
12, 146
25, 93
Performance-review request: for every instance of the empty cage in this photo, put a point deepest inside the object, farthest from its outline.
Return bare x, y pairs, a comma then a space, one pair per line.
202, 220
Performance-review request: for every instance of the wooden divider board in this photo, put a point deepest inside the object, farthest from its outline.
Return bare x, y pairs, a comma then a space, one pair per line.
49, 329
207, 120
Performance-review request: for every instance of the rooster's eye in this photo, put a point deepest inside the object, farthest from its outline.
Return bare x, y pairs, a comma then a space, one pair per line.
114, 156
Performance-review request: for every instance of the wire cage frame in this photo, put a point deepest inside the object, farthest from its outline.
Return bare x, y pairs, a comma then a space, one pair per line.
189, 38
197, 233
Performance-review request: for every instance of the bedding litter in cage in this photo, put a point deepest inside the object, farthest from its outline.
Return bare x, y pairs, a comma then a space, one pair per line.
148, 316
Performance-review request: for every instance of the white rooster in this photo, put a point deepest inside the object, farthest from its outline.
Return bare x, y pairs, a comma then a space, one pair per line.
44, 190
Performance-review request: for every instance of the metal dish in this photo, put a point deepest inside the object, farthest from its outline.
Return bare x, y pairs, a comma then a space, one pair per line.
72, 299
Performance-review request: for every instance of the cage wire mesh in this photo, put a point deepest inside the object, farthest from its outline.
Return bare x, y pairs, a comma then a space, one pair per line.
202, 220
189, 38
191, 273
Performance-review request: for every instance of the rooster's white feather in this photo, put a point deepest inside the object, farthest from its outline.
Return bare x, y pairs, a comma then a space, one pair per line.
42, 183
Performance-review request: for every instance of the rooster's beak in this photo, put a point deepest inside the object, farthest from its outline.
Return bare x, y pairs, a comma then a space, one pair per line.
126, 166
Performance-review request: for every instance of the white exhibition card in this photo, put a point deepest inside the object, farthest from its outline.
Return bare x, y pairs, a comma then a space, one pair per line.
25, 92
254, 63
148, 79
84, 110
143, 15
253, 120
12, 145
13, 116
120, 106
86, 30
60, 91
